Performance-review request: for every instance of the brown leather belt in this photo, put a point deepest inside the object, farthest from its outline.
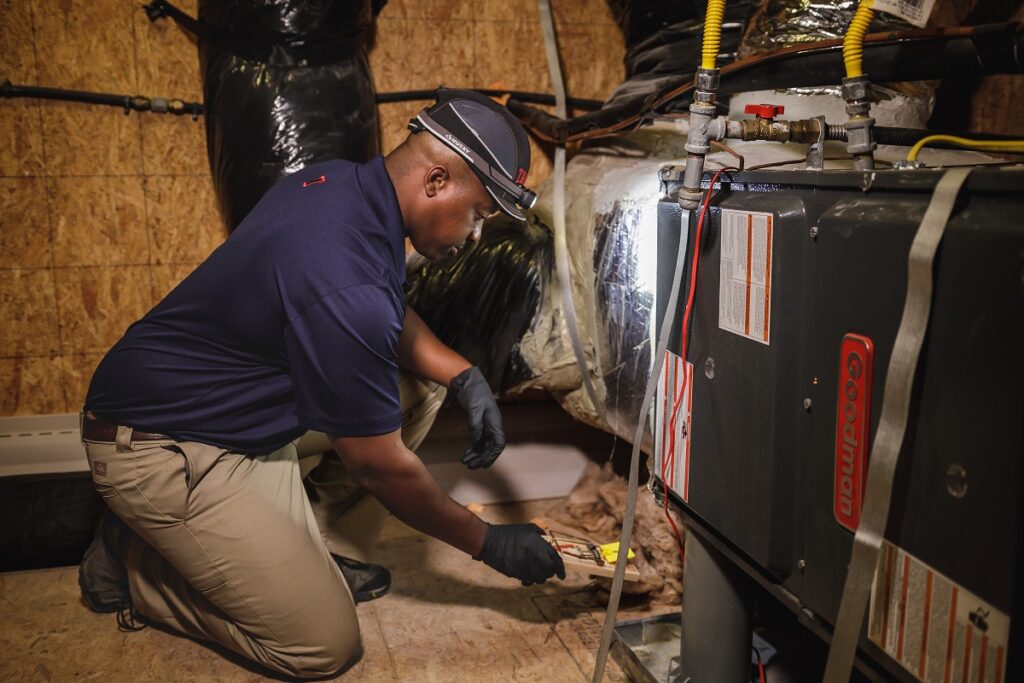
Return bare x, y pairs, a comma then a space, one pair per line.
95, 428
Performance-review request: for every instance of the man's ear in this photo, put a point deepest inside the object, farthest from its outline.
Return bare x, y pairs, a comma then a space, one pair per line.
435, 180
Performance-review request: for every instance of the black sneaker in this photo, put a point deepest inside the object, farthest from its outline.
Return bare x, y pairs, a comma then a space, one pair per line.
102, 575
366, 581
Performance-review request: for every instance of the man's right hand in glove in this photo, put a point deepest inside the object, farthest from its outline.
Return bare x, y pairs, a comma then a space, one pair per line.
520, 551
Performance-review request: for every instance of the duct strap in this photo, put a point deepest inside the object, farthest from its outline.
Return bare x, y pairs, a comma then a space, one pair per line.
892, 426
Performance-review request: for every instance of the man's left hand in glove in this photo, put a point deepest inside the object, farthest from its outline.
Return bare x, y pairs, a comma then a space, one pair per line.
486, 431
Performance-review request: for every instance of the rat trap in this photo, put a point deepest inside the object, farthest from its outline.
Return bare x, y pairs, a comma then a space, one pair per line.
583, 556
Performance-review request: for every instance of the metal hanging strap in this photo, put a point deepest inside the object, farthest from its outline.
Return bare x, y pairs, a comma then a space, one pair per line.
892, 426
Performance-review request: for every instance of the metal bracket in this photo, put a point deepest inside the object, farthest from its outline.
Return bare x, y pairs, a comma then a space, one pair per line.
816, 150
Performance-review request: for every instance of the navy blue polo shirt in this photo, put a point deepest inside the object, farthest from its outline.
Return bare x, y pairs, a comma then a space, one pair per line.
291, 324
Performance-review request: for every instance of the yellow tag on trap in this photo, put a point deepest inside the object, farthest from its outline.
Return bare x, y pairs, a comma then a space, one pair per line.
610, 552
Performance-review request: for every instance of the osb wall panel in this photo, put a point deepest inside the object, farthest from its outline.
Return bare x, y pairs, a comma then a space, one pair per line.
21, 141
102, 213
490, 43
99, 211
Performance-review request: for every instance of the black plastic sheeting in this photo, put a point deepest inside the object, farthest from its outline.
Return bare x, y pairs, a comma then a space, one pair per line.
483, 301
311, 100
641, 19
663, 41
49, 519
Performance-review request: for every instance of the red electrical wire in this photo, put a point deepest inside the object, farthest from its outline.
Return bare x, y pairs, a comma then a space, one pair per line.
668, 460
760, 668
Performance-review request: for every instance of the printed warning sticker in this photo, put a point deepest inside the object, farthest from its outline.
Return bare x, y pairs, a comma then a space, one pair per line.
675, 402
745, 279
936, 629
914, 11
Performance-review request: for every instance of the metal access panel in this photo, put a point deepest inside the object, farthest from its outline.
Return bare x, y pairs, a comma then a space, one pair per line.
780, 321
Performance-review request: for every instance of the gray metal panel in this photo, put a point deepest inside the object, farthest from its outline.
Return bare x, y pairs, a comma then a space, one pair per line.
752, 406
860, 257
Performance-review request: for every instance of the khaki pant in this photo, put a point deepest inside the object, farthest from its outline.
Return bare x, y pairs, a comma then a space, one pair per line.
350, 521
229, 549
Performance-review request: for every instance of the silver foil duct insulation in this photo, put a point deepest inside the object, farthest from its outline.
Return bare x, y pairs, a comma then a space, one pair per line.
776, 24
783, 23
611, 222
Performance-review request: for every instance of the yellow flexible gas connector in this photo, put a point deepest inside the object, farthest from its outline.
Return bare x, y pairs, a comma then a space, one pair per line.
712, 34
853, 42
993, 145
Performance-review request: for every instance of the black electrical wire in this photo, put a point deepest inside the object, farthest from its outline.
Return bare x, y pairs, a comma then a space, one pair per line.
908, 137
176, 106
160, 105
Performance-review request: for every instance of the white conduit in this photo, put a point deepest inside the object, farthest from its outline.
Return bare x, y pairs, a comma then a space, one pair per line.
562, 264
558, 209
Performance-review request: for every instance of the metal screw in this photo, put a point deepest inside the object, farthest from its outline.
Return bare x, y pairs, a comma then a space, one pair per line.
956, 481
814, 232
807, 404
709, 368
801, 565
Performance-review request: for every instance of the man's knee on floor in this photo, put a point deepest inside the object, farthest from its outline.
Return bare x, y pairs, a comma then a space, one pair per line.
327, 654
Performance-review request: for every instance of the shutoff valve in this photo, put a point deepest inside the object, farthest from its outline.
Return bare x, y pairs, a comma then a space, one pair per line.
766, 112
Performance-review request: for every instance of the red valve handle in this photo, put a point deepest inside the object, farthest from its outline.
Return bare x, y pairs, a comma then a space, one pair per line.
764, 111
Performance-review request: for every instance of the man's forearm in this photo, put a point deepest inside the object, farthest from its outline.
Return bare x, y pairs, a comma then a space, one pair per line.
408, 491
422, 353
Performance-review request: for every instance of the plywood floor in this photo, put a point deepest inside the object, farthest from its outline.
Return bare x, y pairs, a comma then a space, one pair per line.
447, 618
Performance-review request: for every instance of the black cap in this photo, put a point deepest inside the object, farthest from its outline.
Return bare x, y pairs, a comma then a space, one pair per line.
491, 140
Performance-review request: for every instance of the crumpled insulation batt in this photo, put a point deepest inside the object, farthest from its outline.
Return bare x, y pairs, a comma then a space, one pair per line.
594, 510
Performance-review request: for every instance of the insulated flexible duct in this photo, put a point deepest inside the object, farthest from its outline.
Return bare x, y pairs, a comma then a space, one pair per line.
481, 301
966, 51
285, 85
665, 39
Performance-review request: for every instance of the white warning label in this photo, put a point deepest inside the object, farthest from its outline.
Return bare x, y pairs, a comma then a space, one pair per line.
936, 629
675, 400
745, 279
914, 11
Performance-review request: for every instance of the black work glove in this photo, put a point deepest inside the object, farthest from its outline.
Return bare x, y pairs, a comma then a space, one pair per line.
486, 432
519, 551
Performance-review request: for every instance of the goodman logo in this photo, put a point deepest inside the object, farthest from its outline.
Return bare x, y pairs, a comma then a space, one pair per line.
458, 143
853, 416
